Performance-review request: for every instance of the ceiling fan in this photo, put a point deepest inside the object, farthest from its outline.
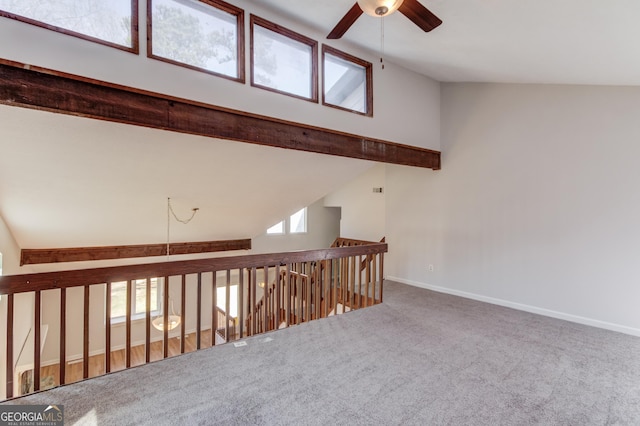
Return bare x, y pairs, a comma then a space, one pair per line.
412, 9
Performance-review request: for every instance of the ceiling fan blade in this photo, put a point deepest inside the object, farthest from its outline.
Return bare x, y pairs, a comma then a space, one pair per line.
419, 15
346, 22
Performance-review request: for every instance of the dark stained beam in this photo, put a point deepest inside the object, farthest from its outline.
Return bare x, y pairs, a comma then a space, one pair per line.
11, 284
80, 254
38, 88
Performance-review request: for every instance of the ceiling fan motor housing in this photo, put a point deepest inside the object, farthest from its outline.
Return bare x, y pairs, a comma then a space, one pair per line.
379, 8
382, 10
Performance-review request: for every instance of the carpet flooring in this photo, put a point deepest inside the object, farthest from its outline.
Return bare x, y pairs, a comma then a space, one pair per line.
420, 358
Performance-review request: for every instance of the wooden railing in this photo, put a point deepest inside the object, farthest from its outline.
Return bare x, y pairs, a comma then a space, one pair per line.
75, 307
317, 289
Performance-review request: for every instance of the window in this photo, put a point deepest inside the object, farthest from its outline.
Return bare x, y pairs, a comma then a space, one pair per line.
347, 82
206, 35
278, 228
296, 224
113, 22
283, 61
139, 308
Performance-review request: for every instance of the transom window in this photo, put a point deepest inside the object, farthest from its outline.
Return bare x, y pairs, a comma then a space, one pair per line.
207, 35
283, 61
113, 22
295, 224
138, 297
347, 82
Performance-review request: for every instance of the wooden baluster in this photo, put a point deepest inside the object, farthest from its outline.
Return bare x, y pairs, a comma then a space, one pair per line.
308, 291
313, 278
63, 335
265, 299
227, 306
374, 276
240, 302
336, 282
381, 274
344, 283
128, 323
299, 294
252, 304
85, 340
36, 341
326, 289
107, 330
359, 295
9, 365
287, 283
352, 281
276, 300
183, 316
165, 313
367, 281
199, 312
278, 304
214, 307
147, 316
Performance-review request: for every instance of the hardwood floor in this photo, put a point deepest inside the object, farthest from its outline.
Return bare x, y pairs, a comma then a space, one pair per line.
50, 375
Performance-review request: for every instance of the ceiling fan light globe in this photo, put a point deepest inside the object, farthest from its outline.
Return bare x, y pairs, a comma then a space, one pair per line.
373, 7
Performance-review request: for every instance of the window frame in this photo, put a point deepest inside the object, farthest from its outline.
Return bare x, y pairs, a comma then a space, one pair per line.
135, 35
222, 6
286, 225
368, 66
285, 32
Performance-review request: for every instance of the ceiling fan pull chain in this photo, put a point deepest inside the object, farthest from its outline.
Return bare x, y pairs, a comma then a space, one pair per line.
382, 41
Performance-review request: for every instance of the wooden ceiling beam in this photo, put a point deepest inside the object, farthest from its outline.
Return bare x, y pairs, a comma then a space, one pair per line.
43, 89
80, 254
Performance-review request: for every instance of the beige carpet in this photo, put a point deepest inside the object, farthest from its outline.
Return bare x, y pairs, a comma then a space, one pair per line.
421, 358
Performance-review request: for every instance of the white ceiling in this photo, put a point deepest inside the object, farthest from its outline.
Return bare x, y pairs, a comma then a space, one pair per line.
515, 41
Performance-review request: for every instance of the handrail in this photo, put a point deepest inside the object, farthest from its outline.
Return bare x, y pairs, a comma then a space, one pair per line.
12, 284
349, 242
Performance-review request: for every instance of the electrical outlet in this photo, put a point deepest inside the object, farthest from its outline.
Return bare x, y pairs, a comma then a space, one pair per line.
431, 268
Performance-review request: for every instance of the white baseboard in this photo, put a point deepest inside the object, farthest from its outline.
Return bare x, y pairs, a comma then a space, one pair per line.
522, 307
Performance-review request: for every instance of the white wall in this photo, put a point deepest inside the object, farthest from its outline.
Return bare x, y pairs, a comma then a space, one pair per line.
535, 207
22, 304
406, 110
323, 227
9, 249
363, 211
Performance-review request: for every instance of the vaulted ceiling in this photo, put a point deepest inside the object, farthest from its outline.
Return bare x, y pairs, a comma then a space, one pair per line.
62, 184
525, 41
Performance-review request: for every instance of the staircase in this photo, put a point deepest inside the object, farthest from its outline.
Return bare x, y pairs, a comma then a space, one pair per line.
307, 291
